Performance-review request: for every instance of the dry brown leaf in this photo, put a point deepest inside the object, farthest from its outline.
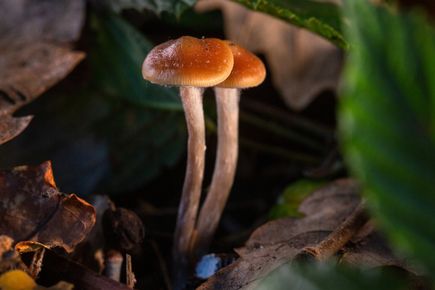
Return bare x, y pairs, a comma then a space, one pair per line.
9, 258
372, 251
302, 64
10, 127
34, 210
77, 274
57, 21
278, 242
33, 58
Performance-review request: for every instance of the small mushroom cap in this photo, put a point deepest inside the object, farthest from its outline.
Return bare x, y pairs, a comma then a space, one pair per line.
248, 70
189, 61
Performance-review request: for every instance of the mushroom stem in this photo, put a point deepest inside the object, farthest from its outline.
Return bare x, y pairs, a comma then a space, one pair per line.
191, 98
227, 102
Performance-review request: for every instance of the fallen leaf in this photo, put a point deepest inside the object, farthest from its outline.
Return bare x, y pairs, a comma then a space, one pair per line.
279, 241
10, 127
34, 210
302, 64
57, 21
9, 258
72, 272
34, 57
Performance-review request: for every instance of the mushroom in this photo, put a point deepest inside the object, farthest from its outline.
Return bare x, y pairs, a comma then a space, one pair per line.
191, 64
248, 71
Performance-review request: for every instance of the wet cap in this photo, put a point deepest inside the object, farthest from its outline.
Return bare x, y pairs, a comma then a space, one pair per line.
248, 70
189, 61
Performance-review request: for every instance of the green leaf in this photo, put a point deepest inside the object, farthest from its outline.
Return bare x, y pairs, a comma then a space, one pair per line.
176, 7
321, 18
117, 56
291, 198
98, 143
329, 277
387, 121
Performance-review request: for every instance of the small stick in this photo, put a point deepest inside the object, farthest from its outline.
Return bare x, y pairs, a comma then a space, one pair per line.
163, 268
130, 277
36, 265
338, 238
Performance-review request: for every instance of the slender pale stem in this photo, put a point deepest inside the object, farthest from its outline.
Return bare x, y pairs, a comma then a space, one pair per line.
191, 98
227, 103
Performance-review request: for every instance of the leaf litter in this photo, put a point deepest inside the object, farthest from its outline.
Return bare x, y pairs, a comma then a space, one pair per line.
35, 55
280, 241
34, 210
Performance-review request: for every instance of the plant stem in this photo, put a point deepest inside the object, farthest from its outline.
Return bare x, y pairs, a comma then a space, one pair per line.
280, 131
280, 152
285, 116
191, 98
227, 104
270, 149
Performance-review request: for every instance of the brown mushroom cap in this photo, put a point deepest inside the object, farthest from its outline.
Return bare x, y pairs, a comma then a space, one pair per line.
248, 70
189, 61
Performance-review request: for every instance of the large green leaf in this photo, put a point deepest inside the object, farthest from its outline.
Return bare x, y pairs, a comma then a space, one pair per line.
387, 121
98, 143
175, 7
329, 277
114, 137
117, 56
321, 18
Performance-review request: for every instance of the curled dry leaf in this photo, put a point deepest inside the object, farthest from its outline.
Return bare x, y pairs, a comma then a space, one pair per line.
72, 272
33, 58
9, 258
302, 64
279, 241
34, 210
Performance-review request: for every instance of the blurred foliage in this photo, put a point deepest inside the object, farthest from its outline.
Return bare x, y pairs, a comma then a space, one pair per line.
321, 18
116, 138
291, 198
388, 123
330, 277
117, 54
175, 7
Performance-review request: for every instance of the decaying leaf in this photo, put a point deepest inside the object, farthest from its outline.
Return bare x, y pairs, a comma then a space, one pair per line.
34, 57
279, 241
9, 258
10, 127
72, 272
33, 209
302, 64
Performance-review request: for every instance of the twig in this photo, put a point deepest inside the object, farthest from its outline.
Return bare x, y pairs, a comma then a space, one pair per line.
162, 264
280, 152
269, 149
338, 238
281, 131
36, 265
130, 277
288, 117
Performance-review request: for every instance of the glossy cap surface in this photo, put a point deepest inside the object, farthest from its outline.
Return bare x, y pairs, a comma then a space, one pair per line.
189, 61
248, 70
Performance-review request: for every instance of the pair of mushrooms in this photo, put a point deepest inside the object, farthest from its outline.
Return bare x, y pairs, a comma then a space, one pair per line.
194, 64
